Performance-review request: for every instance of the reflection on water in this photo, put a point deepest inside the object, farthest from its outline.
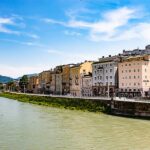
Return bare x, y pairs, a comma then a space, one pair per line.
31, 127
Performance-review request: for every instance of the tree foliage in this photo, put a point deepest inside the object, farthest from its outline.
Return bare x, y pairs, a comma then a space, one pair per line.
23, 82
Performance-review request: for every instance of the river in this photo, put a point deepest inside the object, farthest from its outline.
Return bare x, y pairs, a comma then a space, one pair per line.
26, 126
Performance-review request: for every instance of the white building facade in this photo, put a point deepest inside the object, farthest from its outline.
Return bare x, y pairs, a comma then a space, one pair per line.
105, 76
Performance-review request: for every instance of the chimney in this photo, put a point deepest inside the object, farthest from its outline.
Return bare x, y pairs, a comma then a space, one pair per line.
109, 55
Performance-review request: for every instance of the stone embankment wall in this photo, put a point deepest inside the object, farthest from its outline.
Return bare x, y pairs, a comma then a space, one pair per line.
130, 108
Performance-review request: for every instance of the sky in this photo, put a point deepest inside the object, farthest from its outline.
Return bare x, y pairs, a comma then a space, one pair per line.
37, 35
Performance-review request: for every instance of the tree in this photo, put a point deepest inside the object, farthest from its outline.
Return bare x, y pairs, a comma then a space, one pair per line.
10, 86
23, 83
1, 86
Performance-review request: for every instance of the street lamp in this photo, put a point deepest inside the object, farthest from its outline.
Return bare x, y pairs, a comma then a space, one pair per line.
108, 87
24, 88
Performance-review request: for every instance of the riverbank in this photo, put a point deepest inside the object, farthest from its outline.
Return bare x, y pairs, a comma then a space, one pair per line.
67, 103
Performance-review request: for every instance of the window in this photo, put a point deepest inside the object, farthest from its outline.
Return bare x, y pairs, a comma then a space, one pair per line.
134, 77
106, 71
125, 64
138, 70
95, 72
145, 70
129, 64
122, 71
138, 83
110, 83
129, 70
95, 78
134, 84
145, 77
106, 77
110, 64
134, 70
110, 77
110, 70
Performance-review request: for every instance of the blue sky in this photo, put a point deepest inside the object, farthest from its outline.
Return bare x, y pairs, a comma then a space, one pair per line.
36, 35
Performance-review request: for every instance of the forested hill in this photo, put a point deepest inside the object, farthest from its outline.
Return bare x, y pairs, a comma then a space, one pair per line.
5, 79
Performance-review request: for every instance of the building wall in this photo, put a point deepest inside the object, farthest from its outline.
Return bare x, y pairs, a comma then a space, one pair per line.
86, 67
86, 85
75, 81
59, 83
76, 74
33, 84
45, 79
134, 75
104, 73
105, 76
65, 79
53, 84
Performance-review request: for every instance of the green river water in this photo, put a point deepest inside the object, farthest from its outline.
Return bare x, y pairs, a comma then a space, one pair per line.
26, 126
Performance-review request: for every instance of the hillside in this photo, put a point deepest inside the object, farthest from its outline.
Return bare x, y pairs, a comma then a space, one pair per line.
5, 79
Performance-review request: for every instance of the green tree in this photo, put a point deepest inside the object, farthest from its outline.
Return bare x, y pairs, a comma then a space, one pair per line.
10, 85
23, 83
1, 86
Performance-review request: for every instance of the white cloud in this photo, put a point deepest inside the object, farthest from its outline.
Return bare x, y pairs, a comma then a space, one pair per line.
7, 21
72, 33
34, 36
27, 43
15, 21
110, 27
47, 20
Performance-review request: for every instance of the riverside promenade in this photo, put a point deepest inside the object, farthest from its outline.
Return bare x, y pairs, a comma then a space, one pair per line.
118, 106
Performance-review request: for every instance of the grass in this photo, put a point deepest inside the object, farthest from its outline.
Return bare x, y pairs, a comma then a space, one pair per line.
67, 103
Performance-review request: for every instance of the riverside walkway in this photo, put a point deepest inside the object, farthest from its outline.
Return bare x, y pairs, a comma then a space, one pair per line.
123, 99
118, 106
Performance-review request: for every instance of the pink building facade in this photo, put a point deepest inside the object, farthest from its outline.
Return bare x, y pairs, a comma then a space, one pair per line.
134, 76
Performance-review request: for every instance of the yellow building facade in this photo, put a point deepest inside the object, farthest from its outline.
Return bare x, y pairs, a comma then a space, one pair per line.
45, 79
33, 84
76, 73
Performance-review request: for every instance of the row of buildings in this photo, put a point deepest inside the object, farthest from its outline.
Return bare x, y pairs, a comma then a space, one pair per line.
126, 74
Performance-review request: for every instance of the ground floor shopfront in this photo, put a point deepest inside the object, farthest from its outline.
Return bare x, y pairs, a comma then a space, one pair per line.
103, 90
130, 93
